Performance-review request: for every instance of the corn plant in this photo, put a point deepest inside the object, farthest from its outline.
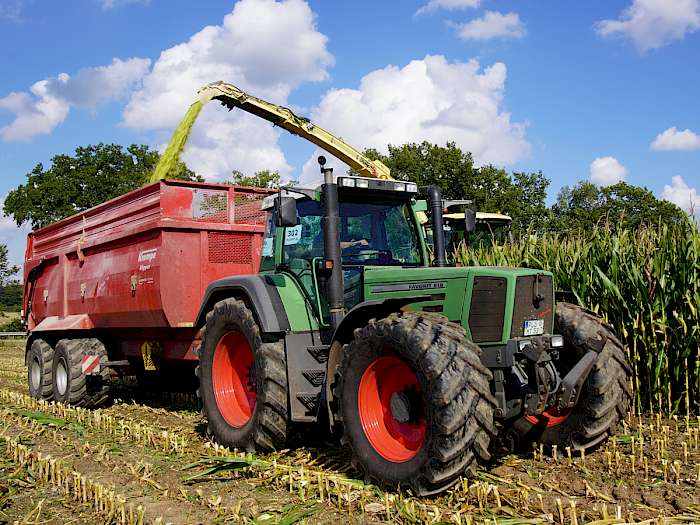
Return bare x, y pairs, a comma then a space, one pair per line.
644, 282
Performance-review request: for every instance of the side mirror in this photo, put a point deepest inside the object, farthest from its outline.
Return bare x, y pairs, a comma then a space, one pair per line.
286, 208
469, 221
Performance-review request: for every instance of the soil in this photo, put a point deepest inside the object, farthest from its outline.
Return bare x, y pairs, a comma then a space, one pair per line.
313, 482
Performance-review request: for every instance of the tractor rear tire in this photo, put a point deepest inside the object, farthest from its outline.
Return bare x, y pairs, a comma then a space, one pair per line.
414, 403
39, 370
242, 381
605, 396
70, 384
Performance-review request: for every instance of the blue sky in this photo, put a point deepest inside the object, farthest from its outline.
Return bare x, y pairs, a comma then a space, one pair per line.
597, 90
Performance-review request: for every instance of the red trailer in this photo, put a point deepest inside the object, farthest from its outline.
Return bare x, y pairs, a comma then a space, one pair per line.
125, 279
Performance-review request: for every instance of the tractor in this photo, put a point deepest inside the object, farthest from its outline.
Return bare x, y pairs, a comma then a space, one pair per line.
422, 369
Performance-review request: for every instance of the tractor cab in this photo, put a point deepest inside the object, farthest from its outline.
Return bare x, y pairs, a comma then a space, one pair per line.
377, 227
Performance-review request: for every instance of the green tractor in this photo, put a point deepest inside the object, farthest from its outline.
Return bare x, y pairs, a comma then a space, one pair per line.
422, 369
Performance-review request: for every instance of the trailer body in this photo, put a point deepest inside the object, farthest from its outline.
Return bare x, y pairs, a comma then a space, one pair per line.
134, 269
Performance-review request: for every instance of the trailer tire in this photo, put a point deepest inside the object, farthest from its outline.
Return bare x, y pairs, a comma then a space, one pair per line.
242, 380
605, 396
40, 370
70, 384
424, 371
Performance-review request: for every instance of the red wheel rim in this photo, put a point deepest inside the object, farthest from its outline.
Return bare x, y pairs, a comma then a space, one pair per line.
393, 440
553, 416
233, 379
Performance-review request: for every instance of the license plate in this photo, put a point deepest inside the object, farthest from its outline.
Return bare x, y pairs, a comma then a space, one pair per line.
534, 327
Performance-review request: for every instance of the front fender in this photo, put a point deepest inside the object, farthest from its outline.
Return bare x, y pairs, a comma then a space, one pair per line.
258, 290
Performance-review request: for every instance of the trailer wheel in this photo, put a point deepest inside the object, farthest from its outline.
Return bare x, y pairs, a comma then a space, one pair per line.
605, 396
71, 385
414, 402
242, 381
39, 369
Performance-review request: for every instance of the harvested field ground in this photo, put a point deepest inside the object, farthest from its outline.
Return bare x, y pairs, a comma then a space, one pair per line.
146, 459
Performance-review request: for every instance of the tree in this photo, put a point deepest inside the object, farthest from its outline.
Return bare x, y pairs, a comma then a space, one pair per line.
7, 270
74, 183
528, 208
11, 296
260, 179
426, 164
491, 189
10, 290
622, 205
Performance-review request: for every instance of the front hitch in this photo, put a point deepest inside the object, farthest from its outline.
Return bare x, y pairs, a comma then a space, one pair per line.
572, 383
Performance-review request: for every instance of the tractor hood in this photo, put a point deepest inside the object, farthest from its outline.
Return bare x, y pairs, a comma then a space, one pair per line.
494, 304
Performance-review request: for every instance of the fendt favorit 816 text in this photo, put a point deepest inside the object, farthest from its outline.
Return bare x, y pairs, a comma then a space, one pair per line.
305, 306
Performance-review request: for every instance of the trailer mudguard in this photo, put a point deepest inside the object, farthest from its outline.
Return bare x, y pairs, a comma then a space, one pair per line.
258, 290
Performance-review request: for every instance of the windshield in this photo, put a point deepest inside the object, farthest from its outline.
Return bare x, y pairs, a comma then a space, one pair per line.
380, 233
490, 233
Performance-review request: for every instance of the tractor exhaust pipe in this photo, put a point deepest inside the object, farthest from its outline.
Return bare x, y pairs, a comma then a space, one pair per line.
331, 241
435, 199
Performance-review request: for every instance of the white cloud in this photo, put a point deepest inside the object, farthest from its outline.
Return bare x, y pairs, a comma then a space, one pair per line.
674, 140
681, 194
311, 176
651, 24
222, 142
447, 5
265, 47
492, 25
49, 101
430, 99
606, 171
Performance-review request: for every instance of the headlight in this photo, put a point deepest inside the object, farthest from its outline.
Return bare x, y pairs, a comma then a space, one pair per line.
347, 181
412, 188
399, 186
557, 341
362, 183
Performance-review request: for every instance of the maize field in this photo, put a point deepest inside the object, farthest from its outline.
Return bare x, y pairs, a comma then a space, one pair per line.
645, 283
146, 458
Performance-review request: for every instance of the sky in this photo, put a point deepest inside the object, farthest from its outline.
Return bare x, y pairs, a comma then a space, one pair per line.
602, 90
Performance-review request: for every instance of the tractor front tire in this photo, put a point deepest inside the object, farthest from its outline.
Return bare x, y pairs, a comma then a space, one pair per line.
70, 384
242, 381
605, 396
39, 369
414, 403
